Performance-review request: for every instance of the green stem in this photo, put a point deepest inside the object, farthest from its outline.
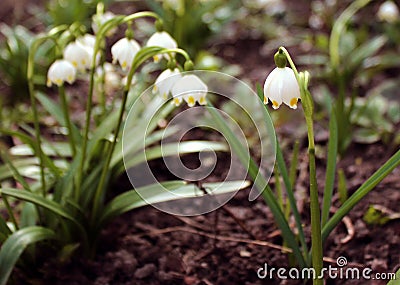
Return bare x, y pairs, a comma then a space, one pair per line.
31, 87
99, 39
278, 188
103, 176
67, 119
102, 95
316, 238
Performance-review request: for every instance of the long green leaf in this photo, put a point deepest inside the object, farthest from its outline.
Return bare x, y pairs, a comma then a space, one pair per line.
162, 192
41, 201
28, 140
175, 149
260, 182
292, 200
330, 167
15, 245
361, 192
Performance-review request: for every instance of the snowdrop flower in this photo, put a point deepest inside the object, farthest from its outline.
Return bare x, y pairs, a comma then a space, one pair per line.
162, 39
281, 86
78, 55
191, 88
88, 42
61, 70
100, 19
124, 51
165, 81
388, 12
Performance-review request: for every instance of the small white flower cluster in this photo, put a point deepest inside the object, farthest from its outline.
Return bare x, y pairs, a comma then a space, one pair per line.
79, 54
187, 87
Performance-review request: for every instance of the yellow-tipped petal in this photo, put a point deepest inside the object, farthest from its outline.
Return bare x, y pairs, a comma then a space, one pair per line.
48, 83
74, 63
165, 96
202, 101
293, 103
265, 100
191, 101
58, 81
275, 104
177, 102
124, 64
155, 89
156, 58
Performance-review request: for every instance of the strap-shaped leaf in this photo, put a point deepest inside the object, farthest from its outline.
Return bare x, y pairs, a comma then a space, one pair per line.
162, 192
360, 193
41, 201
15, 245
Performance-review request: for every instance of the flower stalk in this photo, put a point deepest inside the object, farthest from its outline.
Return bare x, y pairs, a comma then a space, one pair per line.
101, 34
308, 109
67, 118
31, 87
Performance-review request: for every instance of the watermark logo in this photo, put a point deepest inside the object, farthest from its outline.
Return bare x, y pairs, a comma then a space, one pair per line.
243, 112
339, 271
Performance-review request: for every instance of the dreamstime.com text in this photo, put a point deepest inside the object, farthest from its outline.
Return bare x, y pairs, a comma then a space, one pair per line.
338, 271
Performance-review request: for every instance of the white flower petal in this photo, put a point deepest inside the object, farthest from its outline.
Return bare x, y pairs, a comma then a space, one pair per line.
78, 55
281, 86
124, 51
191, 88
60, 71
162, 39
165, 81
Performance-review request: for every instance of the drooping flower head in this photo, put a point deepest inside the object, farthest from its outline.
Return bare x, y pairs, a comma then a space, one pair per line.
191, 88
77, 54
388, 12
165, 81
281, 85
162, 39
124, 51
60, 71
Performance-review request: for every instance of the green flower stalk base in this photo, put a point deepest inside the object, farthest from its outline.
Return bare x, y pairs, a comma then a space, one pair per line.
308, 108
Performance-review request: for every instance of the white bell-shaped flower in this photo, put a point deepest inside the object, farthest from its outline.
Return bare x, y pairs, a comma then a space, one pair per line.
162, 39
191, 88
165, 81
281, 86
88, 42
60, 71
124, 51
78, 55
388, 12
